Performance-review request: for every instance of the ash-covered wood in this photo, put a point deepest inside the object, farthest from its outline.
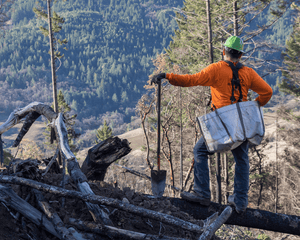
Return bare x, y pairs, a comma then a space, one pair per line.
102, 155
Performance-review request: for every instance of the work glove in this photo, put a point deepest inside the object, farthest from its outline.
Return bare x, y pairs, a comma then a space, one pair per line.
157, 78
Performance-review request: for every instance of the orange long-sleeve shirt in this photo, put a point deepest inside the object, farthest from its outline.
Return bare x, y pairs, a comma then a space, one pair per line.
218, 76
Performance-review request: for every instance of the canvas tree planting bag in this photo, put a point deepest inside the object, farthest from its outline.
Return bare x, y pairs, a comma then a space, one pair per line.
228, 127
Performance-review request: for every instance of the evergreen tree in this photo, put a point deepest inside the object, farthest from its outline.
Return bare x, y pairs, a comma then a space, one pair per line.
54, 23
291, 76
104, 132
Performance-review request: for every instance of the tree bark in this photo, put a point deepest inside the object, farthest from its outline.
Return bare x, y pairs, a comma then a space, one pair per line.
209, 31
102, 155
1, 152
218, 177
235, 19
115, 233
52, 58
188, 173
12, 200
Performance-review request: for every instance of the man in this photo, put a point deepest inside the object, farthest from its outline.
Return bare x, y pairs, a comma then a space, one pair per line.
219, 77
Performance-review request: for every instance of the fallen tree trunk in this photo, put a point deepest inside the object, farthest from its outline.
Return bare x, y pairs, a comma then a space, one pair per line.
102, 155
92, 198
115, 233
253, 218
12, 200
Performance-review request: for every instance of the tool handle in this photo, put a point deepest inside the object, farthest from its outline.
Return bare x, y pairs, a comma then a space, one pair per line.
158, 123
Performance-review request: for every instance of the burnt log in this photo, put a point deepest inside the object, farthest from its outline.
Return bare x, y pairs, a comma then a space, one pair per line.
253, 218
96, 199
102, 155
12, 200
212, 228
115, 233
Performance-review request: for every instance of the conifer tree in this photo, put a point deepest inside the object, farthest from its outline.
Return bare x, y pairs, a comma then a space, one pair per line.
291, 76
103, 132
54, 26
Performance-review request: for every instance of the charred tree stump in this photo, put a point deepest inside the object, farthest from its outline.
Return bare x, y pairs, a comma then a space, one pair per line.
102, 155
12, 200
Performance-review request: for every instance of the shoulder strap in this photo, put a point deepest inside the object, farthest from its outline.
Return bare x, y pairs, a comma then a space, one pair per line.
235, 81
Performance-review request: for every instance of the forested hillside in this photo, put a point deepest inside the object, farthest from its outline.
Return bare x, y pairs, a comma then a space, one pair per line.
110, 46
108, 57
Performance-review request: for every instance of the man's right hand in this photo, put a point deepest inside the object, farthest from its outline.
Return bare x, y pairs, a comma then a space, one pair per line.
157, 78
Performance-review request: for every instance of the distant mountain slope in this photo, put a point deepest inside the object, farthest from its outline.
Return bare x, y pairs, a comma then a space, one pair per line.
110, 46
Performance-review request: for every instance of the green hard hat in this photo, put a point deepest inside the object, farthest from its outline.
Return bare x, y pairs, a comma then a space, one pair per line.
234, 42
